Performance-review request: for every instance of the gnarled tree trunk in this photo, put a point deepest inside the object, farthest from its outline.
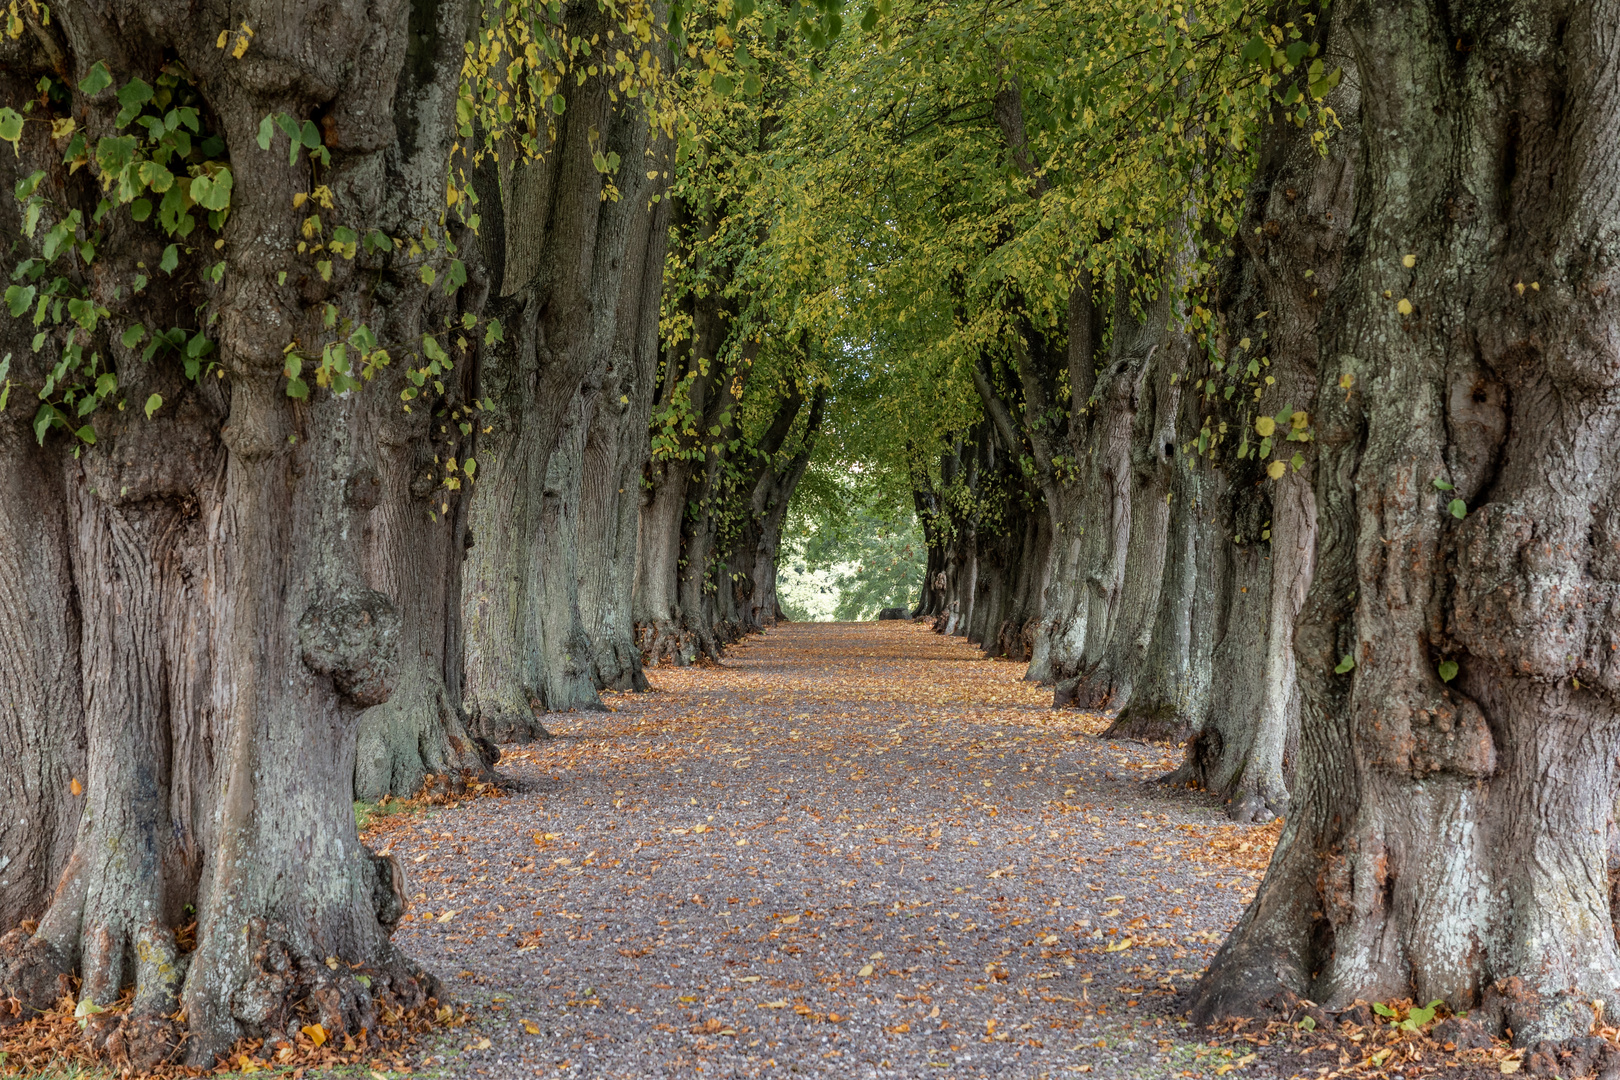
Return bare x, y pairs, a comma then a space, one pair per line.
228, 639
1450, 829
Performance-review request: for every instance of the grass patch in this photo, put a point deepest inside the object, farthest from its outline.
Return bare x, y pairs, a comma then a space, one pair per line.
368, 814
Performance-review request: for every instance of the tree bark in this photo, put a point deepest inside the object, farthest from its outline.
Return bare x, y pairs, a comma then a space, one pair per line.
230, 632
1450, 830
559, 266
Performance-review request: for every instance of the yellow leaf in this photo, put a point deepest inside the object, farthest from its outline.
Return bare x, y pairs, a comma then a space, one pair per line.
76, 787
1266, 426
1122, 944
316, 1033
531, 1027
1409, 261
791, 920
1276, 469
1112, 899
447, 916
773, 1005
700, 828
865, 971
1510, 1066
332, 962
224, 35
1404, 306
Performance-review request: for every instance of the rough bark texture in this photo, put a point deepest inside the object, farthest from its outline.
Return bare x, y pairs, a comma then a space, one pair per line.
559, 263
615, 452
229, 631
1450, 838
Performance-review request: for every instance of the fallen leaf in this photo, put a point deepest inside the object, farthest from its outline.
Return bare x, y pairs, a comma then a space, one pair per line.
791, 920
316, 1033
447, 916
76, 787
531, 1027
865, 971
773, 1004
1121, 945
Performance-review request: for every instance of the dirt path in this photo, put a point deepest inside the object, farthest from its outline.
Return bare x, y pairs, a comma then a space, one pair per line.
856, 850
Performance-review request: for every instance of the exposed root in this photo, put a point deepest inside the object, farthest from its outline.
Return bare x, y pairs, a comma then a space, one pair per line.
32, 976
663, 642
52, 1041
1149, 725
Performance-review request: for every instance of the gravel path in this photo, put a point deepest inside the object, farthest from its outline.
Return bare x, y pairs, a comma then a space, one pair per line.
855, 850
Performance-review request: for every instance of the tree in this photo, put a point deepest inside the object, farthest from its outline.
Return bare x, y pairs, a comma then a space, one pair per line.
567, 276
1448, 836
246, 313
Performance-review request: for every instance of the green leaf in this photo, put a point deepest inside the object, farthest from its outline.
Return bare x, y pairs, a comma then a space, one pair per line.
869, 21
493, 335
112, 154
297, 388
19, 298
132, 96
1348, 663
86, 434
155, 176
106, 383
1458, 508
11, 127
98, 79
455, 277
43, 420
29, 184
170, 260
133, 336
428, 276
153, 404
140, 209
1448, 670
1383, 1010
213, 192
267, 132
309, 134
1444, 485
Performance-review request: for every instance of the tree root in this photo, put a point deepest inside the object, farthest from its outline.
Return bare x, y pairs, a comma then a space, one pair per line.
32, 976
1149, 725
287, 990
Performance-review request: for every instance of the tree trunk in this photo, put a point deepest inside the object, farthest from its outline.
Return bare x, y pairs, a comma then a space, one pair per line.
221, 563
610, 509
565, 660
558, 265
1170, 698
42, 716
1454, 810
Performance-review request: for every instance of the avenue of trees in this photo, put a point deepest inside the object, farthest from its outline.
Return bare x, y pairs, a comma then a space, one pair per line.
372, 388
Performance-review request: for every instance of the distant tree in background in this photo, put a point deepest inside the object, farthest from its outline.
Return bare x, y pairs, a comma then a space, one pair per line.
874, 550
